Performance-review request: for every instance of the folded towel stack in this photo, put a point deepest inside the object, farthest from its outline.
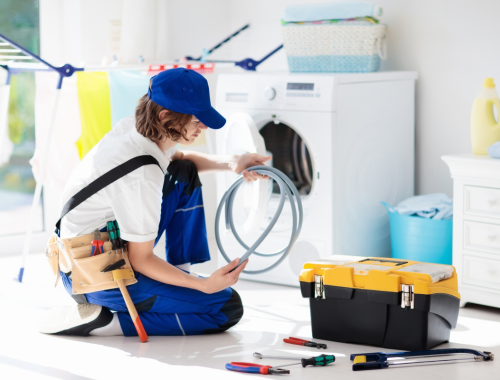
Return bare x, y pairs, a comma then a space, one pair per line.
339, 10
432, 206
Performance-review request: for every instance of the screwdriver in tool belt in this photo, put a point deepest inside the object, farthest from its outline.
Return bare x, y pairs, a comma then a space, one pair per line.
118, 236
112, 236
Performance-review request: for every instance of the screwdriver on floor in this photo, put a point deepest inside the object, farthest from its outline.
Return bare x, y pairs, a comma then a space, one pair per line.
317, 361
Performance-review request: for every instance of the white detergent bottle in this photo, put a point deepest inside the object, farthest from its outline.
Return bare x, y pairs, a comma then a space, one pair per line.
485, 130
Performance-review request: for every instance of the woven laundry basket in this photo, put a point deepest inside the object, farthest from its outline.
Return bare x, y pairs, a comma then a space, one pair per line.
343, 46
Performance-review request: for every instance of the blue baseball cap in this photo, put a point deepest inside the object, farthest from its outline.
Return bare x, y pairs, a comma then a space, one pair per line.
185, 91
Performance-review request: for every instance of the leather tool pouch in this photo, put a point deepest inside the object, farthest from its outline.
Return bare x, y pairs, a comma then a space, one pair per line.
74, 254
86, 270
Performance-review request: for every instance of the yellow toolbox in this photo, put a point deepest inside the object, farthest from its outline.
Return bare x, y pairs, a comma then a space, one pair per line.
383, 302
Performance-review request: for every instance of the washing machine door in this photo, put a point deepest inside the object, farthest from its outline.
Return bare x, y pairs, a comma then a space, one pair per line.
242, 136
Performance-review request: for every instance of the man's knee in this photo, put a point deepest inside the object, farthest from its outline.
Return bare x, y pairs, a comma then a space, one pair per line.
233, 310
181, 171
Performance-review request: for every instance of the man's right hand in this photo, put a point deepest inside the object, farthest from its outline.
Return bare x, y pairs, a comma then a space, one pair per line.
223, 277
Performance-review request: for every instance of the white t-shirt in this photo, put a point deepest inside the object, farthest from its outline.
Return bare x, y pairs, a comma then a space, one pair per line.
134, 200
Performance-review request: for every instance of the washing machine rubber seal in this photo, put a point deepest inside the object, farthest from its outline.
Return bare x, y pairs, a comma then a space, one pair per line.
287, 189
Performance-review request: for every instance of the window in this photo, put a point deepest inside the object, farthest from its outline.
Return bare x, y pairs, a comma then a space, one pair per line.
19, 21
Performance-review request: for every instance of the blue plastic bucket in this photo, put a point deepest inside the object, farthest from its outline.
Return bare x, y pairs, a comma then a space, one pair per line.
420, 239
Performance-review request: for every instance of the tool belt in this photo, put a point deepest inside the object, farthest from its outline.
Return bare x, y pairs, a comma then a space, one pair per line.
73, 255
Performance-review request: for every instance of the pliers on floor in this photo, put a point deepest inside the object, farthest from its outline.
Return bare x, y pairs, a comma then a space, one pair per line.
302, 342
256, 368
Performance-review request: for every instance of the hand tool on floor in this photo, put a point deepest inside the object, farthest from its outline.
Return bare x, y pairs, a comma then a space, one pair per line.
302, 342
97, 244
256, 368
258, 355
326, 359
316, 361
119, 275
381, 360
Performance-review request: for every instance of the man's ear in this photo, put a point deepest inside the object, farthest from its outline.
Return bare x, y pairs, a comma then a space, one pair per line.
163, 114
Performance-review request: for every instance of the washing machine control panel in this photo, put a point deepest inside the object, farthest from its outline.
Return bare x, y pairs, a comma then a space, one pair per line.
299, 92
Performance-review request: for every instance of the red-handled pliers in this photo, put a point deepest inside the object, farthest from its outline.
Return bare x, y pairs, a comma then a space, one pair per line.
97, 244
302, 342
256, 368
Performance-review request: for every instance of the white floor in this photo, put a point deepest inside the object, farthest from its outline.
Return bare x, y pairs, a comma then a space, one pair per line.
271, 314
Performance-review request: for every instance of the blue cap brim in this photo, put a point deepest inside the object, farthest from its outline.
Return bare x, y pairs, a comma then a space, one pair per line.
211, 118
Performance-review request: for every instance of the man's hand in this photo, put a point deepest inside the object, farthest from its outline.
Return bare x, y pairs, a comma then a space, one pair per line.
223, 277
143, 260
248, 160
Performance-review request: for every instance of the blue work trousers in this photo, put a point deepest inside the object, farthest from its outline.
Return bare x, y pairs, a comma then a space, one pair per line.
167, 309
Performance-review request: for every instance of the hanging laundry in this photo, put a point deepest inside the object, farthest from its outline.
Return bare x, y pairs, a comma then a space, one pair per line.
126, 88
6, 145
95, 109
63, 155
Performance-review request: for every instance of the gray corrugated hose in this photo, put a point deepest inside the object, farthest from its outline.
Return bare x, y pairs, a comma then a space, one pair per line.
287, 189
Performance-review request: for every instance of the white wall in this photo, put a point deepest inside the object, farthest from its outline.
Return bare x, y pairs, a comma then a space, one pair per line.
76, 31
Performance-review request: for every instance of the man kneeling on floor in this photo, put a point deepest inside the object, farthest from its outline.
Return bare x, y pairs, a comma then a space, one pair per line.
134, 178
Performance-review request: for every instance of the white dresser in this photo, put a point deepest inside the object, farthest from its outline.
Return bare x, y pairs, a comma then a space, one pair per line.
476, 227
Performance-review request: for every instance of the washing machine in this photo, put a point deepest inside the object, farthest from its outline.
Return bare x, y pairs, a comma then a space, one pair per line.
347, 143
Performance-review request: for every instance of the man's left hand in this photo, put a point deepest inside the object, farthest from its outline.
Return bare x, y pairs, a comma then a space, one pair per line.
246, 161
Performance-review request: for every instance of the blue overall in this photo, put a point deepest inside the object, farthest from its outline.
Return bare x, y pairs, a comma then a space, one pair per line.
167, 309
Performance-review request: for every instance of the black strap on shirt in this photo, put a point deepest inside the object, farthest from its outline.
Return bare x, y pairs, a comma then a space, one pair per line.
103, 181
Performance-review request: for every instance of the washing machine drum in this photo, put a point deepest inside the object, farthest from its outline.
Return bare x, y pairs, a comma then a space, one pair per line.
290, 155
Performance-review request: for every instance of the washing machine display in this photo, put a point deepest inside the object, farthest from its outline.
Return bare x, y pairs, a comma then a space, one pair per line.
312, 140
300, 86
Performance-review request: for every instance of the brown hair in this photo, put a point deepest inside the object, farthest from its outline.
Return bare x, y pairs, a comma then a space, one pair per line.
149, 125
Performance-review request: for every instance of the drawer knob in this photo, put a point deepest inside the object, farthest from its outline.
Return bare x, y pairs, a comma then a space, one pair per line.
492, 202
492, 237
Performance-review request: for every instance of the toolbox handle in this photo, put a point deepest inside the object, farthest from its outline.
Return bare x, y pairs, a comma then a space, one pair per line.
397, 262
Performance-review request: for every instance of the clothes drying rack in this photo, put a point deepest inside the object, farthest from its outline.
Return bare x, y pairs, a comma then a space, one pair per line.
16, 59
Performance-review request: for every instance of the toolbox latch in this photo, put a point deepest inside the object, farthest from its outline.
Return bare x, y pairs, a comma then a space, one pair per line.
319, 288
407, 296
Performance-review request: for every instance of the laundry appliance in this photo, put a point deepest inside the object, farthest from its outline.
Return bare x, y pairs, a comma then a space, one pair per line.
345, 140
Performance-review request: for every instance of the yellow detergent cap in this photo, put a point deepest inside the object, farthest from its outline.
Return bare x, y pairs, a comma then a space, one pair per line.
488, 83
360, 359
